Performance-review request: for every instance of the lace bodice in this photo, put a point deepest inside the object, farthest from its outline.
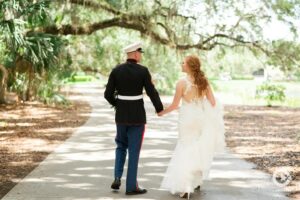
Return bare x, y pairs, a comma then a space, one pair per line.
190, 94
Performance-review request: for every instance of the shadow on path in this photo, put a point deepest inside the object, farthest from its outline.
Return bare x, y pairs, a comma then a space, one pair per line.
82, 167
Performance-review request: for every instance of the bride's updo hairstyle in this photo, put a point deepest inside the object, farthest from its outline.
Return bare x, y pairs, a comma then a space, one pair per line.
200, 80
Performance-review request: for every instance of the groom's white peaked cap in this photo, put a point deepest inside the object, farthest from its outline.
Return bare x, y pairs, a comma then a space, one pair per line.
137, 46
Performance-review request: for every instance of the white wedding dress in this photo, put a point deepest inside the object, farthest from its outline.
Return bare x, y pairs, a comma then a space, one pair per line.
201, 135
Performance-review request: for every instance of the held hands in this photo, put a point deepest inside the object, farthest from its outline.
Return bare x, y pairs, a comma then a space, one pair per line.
167, 110
161, 113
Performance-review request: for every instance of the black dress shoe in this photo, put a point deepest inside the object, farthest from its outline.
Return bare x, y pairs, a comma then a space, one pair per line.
135, 192
116, 184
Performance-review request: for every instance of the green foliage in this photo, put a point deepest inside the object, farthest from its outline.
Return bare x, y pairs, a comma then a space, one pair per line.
103, 51
242, 77
213, 85
47, 92
297, 74
21, 21
270, 92
81, 77
286, 55
48, 88
42, 50
19, 85
18, 20
21, 16
239, 62
286, 8
244, 92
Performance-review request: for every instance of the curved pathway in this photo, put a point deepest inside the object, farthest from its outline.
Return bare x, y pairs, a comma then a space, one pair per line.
82, 167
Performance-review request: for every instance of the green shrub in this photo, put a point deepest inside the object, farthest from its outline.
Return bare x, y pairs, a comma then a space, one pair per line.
48, 92
297, 74
270, 92
214, 85
19, 85
80, 78
242, 77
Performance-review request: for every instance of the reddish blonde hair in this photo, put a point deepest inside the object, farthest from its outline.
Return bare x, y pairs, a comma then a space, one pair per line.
200, 80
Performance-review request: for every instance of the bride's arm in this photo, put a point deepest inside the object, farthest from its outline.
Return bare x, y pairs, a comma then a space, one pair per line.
176, 99
210, 96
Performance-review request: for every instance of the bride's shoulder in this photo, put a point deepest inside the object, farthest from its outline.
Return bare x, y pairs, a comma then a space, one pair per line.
181, 82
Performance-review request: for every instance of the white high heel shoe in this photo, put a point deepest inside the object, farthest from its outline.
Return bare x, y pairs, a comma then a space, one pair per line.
185, 195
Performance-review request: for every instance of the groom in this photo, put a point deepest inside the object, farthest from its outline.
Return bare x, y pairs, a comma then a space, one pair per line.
124, 91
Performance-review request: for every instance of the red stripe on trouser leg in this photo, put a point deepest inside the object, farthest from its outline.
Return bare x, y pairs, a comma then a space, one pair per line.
137, 186
143, 137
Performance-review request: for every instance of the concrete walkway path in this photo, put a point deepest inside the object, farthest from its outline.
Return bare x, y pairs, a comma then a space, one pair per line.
82, 167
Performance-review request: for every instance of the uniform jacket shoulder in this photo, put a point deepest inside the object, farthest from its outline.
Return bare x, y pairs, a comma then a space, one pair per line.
144, 68
118, 66
141, 68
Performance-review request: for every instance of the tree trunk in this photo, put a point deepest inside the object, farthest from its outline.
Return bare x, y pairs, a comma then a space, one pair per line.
3, 84
25, 67
30, 89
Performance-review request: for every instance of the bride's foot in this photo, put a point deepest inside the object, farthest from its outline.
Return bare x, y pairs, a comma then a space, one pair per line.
185, 195
197, 188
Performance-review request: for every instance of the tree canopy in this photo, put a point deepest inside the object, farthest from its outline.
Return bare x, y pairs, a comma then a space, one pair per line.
185, 24
43, 40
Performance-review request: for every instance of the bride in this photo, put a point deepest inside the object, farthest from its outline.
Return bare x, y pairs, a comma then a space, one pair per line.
201, 131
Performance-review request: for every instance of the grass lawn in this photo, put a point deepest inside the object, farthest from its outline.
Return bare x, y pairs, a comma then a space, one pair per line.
242, 92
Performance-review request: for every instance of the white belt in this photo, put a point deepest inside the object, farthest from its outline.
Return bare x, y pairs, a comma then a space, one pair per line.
130, 97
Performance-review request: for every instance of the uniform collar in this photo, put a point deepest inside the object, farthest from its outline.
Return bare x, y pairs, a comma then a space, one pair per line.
131, 60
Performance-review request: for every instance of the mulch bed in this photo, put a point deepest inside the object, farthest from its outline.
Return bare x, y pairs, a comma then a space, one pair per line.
268, 137
29, 132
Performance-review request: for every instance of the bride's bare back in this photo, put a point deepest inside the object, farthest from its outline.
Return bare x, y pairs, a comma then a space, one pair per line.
187, 91
191, 93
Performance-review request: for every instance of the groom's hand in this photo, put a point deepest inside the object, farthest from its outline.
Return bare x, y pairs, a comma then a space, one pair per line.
160, 113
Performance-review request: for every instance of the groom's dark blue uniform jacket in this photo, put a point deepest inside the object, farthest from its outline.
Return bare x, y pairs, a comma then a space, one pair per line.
129, 79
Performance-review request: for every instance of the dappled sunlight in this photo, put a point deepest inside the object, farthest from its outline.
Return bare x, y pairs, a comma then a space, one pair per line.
8, 115
235, 174
269, 111
20, 163
24, 124
29, 132
46, 179
153, 164
92, 156
82, 167
263, 139
97, 128
221, 163
28, 144
160, 135
7, 133
85, 168
55, 130
158, 153
81, 186
154, 174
